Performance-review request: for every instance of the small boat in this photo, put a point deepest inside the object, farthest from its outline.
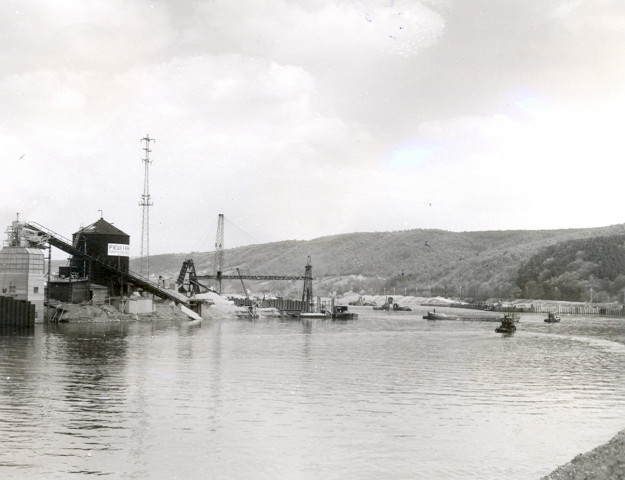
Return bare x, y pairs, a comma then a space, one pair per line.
340, 312
507, 324
439, 316
398, 308
387, 305
552, 318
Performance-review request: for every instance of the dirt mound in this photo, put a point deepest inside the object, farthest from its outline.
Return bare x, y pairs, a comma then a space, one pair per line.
85, 312
606, 462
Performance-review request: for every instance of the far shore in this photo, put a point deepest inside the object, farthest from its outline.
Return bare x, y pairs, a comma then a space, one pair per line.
521, 303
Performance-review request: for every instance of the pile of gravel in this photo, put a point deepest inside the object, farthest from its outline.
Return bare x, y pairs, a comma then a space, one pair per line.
606, 462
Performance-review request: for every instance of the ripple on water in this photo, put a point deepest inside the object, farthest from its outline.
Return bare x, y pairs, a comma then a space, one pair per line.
382, 397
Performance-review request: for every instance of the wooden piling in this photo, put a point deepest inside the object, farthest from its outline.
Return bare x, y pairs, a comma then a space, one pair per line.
16, 313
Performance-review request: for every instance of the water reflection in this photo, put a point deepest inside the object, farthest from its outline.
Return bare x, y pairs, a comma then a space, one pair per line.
388, 395
6, 331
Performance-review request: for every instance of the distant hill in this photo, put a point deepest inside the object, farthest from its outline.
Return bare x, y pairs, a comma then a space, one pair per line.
577, 270
434, 262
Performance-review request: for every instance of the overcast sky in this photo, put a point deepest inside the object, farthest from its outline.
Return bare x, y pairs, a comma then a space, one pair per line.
305, 118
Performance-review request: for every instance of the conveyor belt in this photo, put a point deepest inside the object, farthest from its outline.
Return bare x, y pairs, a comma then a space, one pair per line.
64, 244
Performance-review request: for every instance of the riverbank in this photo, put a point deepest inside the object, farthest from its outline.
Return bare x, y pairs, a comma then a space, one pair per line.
521, 305
85, 312
606, 462
214, 306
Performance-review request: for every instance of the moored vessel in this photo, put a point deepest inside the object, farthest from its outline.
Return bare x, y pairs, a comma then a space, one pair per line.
439, 316
552, 318
340, 312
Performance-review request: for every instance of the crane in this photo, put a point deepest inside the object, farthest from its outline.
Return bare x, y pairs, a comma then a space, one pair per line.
242, 284
219, 251
193, 286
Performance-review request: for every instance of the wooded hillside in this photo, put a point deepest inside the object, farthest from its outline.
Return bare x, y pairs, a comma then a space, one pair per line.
479, 265
577, 270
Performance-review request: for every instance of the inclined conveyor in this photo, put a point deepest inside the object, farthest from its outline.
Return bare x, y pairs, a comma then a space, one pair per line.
64, 244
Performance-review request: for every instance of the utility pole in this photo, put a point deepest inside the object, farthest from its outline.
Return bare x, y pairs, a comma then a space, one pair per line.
146, 203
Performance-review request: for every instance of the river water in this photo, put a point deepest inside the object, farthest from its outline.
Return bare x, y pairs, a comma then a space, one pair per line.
389, 395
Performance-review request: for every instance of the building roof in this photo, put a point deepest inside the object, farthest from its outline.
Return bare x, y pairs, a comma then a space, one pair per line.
101, 227
21, 250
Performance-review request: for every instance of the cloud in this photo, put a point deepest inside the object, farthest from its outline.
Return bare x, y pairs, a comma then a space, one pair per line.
82, 36
307, 118
317, 32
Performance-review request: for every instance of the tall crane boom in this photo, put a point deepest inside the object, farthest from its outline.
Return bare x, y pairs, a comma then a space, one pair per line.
219, 250
242, 284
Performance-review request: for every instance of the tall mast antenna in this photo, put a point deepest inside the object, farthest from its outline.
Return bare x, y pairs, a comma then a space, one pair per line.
146, 203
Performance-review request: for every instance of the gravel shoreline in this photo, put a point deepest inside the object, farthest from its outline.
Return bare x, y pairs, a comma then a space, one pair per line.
606, 462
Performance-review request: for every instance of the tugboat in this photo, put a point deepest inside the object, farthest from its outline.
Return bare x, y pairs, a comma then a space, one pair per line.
507, 324
339, 312
552, 318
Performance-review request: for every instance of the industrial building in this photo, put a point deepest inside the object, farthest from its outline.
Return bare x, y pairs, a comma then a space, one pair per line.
104, 241
88, 277
22, 275
96, 272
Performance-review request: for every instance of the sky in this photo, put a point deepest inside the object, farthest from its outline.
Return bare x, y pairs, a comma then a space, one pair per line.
306, 118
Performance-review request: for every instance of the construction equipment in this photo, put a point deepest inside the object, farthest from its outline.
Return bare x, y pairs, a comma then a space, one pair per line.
193, 287
242, 284
219, 251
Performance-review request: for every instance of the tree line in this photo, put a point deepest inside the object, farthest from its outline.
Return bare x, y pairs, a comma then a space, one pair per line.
567, 264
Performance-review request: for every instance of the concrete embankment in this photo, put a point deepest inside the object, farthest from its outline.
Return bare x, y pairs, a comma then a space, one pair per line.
606, 462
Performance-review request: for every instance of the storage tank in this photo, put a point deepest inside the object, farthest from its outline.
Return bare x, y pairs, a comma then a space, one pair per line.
105, 242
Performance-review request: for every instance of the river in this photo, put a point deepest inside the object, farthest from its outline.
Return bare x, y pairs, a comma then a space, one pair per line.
389, 395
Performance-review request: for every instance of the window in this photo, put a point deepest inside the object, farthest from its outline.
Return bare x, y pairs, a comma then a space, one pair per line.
36, 290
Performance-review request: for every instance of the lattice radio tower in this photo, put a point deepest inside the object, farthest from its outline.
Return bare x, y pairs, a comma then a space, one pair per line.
146, 203
219, 251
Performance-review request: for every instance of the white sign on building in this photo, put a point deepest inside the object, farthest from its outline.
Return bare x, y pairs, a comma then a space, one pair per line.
119, 250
